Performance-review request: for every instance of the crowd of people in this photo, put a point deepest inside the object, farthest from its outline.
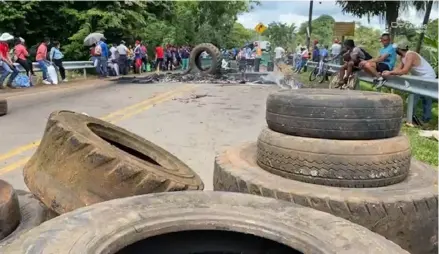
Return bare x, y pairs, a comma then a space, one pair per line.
115, 60
20, 54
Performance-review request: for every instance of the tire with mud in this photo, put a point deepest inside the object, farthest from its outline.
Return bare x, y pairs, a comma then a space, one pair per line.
83, 160
200, 222
32, 212
334, 114
340, 163
214, 53
405, 213
3, 107
9, 210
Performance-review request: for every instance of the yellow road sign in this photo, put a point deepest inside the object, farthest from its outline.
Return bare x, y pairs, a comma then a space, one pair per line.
344, 28
260, 28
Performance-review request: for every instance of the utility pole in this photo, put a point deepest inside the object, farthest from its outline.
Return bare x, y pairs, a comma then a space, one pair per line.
424, 25
308, 39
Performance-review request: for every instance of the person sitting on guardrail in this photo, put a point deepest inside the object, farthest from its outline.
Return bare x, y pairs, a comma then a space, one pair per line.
384, 62
21, 55
353, 56
6, 63
416, 65
41, 58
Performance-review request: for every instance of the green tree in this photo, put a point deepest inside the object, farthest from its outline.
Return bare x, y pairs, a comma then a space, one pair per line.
281, 34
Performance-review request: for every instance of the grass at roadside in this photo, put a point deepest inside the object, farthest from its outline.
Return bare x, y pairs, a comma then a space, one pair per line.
423, 149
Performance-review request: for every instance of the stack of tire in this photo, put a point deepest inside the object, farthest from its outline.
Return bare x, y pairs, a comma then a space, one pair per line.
340, 152
20, 211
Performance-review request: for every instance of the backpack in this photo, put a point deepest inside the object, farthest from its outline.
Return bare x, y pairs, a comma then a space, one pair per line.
367, 56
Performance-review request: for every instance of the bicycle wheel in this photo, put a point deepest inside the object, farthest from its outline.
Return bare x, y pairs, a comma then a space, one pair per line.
313, 74
323, 75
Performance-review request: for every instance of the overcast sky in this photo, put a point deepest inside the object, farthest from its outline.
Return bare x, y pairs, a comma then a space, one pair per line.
297, 12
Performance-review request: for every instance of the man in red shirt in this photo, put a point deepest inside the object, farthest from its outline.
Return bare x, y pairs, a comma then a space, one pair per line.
159, 55
6, 63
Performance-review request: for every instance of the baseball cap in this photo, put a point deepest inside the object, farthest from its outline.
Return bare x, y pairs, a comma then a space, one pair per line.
402, 45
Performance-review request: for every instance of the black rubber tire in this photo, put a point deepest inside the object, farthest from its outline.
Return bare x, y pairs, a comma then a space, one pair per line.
313, 74
333, 114
340, 163
3, 107
405, 213
9, 209
83, 160
110, 226
214, 53
33, 213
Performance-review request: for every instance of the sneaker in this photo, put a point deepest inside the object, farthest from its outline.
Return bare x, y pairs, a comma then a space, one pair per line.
65, 80
380, 82
46, 82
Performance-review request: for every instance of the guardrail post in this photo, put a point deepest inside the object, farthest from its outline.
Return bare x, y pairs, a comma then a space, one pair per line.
85, 73
410, 106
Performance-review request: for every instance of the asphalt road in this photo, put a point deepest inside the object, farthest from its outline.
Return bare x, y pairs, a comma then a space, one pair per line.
169, 114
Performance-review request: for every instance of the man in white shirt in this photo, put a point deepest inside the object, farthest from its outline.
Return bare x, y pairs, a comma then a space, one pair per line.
123, 59
114, 58
335, 51
414, 64
279, 54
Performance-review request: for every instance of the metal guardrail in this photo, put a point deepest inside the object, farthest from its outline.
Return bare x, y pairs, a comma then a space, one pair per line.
410, 84
68, 65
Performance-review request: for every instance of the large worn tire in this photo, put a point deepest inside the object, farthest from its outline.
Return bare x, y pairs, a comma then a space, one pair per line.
9, 209
341, 163
33, 213
334, 114
195, 60
3, 107
110, 226
83, 160
405, 213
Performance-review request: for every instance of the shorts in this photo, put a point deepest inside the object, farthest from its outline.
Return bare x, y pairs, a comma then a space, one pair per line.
382, 67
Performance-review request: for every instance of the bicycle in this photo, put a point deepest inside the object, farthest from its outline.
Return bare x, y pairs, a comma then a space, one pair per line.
320, 70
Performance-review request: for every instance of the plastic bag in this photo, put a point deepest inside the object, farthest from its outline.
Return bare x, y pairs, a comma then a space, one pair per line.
21, 81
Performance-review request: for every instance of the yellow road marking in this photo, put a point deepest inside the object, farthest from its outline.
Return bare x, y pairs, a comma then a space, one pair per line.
14, 165
142, 106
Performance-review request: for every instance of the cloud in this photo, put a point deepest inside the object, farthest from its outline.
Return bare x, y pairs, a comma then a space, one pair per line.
297, 12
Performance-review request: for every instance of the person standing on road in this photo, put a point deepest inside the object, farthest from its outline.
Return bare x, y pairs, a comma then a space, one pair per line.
279, 53
41, 58
123, 58
114, 58
144, 52
185, 58
21, 55
56, 57
416, 65
336, 51
159, 55
103, 59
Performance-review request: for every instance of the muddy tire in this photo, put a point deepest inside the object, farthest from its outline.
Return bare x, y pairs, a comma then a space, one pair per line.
341, 163
195, 60
83, 160
405, 213
9, 210
334, 114
3, 107
33, 213
110, 226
